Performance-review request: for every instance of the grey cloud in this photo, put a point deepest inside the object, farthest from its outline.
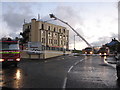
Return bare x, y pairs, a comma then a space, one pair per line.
72, 17
69, 15
104, 40
101, 41
14, 16
113, 35
77, 38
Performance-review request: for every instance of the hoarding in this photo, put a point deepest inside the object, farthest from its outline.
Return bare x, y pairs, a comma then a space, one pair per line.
34, 47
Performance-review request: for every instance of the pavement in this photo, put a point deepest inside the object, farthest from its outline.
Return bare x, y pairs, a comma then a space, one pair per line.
111, 61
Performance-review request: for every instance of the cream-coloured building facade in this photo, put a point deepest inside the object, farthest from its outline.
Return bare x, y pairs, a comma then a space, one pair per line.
54, 38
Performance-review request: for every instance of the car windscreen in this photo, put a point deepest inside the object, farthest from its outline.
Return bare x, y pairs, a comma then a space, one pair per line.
102, 49
5, 46
89, 49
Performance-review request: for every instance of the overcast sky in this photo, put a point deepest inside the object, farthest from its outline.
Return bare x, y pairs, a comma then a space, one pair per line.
96, 21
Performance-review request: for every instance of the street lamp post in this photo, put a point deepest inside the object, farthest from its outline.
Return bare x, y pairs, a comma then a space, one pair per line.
55, 18
74, 42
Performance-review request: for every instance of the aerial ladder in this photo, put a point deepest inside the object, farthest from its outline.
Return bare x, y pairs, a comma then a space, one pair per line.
55, 18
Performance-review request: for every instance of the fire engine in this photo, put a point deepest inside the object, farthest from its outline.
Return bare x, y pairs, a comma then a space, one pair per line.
88, 50
9, 52
103, 51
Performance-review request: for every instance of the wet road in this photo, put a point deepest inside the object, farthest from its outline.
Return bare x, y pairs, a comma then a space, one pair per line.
61, 72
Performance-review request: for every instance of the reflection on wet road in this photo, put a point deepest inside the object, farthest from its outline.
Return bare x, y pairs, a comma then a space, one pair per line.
70, 72
1, 80
11, 76
93, 72
104, 58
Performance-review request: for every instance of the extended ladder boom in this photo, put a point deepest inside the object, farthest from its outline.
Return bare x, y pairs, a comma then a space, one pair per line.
52, 16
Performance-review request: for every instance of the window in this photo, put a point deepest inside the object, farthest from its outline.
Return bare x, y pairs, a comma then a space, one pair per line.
67, 43
55, 41
49, 34
60, 36
48, 41
64, 37
54, 35
9, 46
60, 30
43, 40
48, 27
42, 31
43, 47
42, 27
67, 37
64, 43
61, 42
51, 41
30, 26
64, 30
54, 29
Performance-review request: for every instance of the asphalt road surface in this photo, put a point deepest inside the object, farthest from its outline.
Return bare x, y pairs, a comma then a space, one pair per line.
61, 72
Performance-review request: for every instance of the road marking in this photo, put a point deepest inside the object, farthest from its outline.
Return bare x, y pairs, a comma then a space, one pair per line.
107, 62
114, 66
59, 59
65, 80
64, 83
45, 61
78, 62
70, 69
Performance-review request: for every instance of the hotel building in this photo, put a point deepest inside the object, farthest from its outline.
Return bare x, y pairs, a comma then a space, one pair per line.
54, 39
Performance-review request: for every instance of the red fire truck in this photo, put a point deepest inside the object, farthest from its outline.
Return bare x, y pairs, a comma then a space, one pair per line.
103, 51
9, 52
88, 51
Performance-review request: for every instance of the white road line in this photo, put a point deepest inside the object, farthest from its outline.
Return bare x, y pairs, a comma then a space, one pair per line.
45, 61
70, 69
76, 63
65, 80
114, 66
64, 83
